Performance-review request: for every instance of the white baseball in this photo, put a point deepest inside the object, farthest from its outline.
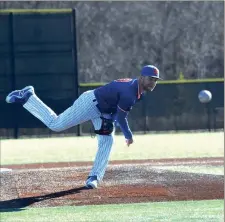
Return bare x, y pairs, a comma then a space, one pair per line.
205, 96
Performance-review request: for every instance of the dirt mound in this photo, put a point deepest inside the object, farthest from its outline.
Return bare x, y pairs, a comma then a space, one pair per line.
124, 182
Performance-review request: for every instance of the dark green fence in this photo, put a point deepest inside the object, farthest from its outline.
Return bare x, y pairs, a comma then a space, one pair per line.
38, 48
169, 107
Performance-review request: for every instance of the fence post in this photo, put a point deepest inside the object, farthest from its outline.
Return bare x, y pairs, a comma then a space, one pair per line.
146, 118
12, 64
74, 56
208, 110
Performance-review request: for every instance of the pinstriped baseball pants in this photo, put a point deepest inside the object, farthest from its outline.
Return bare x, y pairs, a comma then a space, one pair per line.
82, 110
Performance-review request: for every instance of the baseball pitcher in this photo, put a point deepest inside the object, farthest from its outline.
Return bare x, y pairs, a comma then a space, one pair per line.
103, 106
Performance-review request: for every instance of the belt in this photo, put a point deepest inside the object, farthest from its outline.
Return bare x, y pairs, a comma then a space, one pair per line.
97, 105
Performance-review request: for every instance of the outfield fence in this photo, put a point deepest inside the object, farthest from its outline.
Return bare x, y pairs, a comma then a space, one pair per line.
37, 47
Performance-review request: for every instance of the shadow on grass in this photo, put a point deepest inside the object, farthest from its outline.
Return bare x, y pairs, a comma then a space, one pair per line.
20, 203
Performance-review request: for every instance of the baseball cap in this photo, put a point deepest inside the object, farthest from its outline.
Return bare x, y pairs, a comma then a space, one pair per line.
150, 70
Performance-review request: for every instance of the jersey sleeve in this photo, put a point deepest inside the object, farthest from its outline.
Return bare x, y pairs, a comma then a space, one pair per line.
123, 108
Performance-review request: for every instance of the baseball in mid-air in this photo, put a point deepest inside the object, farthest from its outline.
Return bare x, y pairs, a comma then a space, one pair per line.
205, 96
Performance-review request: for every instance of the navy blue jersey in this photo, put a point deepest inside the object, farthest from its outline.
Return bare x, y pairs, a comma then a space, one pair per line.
117, 98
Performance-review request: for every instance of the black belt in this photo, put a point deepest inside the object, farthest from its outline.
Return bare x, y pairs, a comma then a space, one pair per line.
97, 105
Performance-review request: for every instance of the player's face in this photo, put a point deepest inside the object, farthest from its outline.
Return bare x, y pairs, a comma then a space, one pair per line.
149, 83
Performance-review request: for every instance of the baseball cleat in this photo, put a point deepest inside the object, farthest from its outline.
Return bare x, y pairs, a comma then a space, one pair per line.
20, 96
92, 182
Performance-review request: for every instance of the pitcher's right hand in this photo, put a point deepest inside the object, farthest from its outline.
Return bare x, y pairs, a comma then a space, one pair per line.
128, 142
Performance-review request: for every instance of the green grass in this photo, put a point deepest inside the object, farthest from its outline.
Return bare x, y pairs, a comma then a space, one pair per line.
207, 169
177, 211
149, 146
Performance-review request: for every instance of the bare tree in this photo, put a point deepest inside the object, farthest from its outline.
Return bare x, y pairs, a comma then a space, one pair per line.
116, 38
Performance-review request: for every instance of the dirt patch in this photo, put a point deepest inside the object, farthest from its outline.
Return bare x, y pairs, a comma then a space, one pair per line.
59, 184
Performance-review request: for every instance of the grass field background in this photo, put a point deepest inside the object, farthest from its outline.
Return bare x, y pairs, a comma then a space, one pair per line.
152, 146
148, 146
215, 170
176, 211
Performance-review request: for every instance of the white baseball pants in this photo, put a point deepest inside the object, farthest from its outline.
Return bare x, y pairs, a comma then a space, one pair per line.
82, 110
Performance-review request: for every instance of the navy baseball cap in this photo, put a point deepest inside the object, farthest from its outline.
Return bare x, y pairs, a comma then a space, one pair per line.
150, 70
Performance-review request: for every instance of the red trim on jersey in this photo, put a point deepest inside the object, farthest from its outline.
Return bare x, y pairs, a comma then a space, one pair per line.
139, 94
123, 80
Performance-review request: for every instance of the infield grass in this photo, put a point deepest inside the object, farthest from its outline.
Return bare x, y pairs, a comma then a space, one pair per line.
148, 146
177, 211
